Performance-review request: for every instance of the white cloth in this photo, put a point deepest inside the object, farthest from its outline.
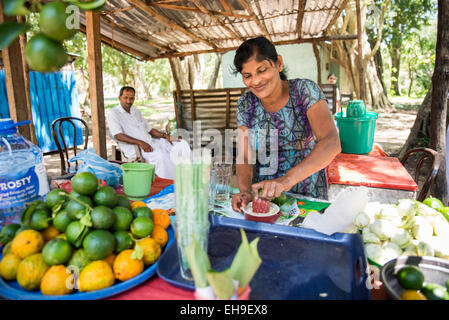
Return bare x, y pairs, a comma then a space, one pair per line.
133, 124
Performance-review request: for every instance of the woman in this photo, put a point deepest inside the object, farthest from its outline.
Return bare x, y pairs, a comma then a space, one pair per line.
297, 109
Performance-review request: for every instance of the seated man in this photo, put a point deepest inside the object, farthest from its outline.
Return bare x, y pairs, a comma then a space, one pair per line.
129, 128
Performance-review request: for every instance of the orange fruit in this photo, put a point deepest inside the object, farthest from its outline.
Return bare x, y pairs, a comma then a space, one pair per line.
8, 266
55, 281
126, 267
27, 243
137, 204
151, 250
161, 217
160, 235
50, 233
31, 270
412, 295
110, 259
95, 276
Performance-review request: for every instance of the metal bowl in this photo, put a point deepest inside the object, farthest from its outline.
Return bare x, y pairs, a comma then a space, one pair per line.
435, 270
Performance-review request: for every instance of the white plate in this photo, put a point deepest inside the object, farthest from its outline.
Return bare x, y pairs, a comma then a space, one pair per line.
274, 209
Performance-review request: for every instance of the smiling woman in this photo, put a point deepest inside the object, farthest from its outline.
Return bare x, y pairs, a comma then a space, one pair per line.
293, 111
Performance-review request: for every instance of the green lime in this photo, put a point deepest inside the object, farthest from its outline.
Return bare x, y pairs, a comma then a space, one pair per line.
44, 54
447, 285
142, 227
75, 209
57, 251
75, 194
123, 201
43, 206
99, 244
124, 241
76, 232
106, 196
85, 183
123, 218
102, 217
143, 212
8, 232
434, 291
79, 260
62, 220
40, 220
53, 197
434, 203
410, 277
53, 21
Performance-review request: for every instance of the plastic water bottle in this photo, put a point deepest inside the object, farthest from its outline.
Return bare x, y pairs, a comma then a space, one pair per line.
23, 178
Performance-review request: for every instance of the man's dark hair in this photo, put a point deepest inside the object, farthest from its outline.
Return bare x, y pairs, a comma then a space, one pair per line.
126, 89
262, 48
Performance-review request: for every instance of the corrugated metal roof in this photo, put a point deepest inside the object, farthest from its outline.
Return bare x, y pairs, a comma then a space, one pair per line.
152, 29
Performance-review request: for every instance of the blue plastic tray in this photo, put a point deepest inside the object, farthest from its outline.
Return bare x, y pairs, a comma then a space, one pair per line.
12, 290
297, 263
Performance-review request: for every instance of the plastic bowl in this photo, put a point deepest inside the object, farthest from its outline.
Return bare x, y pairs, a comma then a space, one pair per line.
262, 217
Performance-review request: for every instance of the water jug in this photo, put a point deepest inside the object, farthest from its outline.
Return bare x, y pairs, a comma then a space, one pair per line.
23, 178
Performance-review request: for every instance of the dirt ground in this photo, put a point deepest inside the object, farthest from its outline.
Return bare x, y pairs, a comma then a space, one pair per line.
392, 130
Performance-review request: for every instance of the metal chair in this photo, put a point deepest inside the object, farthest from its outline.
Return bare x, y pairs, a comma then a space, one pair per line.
423, 154
63, 149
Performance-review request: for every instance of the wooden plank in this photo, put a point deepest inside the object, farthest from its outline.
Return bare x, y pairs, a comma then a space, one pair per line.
15, 82
335, 17
318, 61
192, 104
301, 7
96, 82
184, 8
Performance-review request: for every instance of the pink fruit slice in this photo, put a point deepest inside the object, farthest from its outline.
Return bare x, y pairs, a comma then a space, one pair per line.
261, 206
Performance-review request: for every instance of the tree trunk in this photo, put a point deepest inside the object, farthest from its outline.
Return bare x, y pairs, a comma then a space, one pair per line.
419, 125
189, 71
395, 53
347, 58
438, 109
213, 81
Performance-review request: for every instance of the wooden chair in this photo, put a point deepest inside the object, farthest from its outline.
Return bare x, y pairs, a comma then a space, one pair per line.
119, 157
330, 91
63, 148
421, 155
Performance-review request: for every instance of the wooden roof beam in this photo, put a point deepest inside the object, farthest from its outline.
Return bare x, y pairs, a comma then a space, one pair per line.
301, 7
278, 43
226, 6
147, 9
183, 8
335, 17
262, 27
205, 11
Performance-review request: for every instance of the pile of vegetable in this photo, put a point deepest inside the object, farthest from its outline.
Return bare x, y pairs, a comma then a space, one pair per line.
409, 228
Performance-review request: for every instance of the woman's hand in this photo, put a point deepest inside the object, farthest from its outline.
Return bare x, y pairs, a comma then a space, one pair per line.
270, 188
240, 200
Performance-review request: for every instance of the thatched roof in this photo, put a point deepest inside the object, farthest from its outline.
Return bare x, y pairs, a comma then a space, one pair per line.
152, 29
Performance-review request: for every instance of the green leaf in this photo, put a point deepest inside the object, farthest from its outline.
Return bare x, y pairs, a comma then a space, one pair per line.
137, 252
9, 31
15, 8
89, 5
86, 219
57, 208
26, 215
199, 263
221, 283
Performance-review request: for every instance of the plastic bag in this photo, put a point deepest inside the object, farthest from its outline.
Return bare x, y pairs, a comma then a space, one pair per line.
111, 173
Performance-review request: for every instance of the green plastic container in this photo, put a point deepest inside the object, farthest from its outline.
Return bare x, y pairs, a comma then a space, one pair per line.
137, 179
356, 134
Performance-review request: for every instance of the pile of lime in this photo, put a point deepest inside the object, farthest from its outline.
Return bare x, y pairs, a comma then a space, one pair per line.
73, 230
412, 279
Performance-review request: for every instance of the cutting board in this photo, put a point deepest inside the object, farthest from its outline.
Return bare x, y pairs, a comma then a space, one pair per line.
370, 171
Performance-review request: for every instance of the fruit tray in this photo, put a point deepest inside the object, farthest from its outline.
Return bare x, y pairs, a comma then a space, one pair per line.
12, 290
297, 263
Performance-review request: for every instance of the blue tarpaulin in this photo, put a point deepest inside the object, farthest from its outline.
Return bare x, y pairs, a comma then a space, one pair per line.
53, 95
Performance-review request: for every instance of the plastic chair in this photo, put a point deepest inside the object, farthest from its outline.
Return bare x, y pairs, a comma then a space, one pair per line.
423, 154
63, 149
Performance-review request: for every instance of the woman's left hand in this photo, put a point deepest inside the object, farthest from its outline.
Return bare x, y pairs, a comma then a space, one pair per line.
270, 188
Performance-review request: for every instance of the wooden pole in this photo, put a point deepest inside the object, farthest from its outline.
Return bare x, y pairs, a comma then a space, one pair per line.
96, 82
318, 61
360, 53
15, 83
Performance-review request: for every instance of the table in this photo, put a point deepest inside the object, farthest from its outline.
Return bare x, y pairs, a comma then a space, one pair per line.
385, 178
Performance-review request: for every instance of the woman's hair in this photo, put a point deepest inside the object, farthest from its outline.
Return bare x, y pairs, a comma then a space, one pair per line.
262, 48
331, 74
